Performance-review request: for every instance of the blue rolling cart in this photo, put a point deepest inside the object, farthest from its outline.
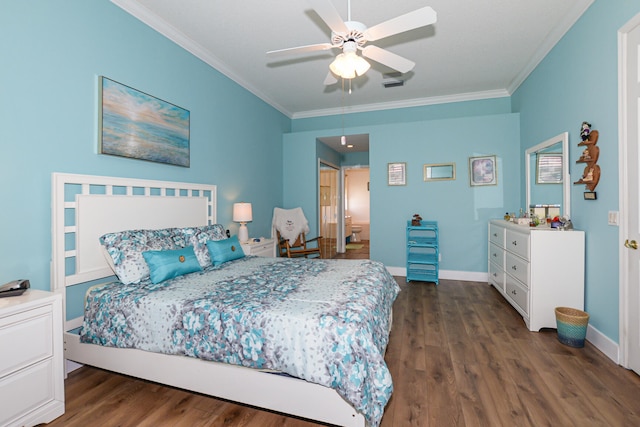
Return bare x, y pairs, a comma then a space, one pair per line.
423, 254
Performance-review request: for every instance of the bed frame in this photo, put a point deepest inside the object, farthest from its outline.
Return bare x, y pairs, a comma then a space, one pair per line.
83, 208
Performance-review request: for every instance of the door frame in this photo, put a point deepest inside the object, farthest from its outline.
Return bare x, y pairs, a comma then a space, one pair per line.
343, 189
623, 185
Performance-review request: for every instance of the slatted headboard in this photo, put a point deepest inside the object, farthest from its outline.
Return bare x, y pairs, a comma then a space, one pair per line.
84, 207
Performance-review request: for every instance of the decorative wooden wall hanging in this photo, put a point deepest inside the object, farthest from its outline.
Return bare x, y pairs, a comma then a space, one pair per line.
591, 174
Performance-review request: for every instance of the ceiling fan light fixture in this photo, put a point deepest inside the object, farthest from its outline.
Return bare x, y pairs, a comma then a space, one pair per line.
348, 64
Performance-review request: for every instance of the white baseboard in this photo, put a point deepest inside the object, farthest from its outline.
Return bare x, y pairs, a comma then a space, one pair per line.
603, 343
466, 276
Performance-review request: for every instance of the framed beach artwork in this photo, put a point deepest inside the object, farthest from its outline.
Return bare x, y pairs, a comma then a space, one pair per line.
482, 171
136, 125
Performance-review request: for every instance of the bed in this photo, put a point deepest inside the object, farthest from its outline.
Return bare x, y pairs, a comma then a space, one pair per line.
348, 301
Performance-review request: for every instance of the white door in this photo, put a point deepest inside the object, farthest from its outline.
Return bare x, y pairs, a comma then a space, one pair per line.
329, 221
629, 43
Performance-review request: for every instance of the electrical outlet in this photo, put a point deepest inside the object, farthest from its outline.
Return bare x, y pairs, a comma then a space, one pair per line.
613, 218
439, 257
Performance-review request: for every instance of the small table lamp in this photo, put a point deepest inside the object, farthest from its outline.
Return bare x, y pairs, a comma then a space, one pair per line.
242, 214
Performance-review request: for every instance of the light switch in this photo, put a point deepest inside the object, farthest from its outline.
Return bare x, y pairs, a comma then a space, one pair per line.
613, 218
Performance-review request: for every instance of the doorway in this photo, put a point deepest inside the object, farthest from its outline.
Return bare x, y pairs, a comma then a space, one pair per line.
629, 150
357, 209
352, 152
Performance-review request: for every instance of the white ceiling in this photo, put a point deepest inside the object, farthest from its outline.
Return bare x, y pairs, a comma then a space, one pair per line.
478, 49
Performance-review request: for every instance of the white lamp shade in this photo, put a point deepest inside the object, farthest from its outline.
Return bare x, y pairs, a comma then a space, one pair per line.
242, 212
347, 65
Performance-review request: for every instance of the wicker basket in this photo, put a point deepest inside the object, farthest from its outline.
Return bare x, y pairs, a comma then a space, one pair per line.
572, 326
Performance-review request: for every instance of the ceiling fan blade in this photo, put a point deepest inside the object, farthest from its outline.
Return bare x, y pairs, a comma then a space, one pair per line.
329, 14
409, 21
300, 49
330, 79
389, 59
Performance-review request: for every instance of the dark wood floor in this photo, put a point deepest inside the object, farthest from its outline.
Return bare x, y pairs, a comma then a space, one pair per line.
459, 356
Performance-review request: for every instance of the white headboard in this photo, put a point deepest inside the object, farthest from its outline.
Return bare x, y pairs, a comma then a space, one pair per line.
84, 207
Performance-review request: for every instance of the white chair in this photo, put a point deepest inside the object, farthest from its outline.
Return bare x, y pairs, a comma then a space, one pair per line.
289, 228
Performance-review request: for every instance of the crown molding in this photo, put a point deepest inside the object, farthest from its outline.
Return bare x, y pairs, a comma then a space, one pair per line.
434, 100
170, 32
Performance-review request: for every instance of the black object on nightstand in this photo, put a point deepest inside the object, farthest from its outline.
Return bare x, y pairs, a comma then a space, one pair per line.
14, 288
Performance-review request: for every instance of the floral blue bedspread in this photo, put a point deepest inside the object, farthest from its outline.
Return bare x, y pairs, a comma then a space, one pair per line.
325, 321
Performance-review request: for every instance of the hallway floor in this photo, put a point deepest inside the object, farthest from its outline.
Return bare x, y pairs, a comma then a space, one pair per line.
360, 253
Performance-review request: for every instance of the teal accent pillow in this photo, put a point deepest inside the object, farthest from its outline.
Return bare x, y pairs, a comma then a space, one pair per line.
225, 250
165, 265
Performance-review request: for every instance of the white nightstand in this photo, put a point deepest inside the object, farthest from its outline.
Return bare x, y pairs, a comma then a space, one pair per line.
31, 359
265, 247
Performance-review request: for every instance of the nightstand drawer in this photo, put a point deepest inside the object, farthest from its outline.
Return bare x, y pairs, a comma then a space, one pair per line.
264, 248
25, 338
26, 391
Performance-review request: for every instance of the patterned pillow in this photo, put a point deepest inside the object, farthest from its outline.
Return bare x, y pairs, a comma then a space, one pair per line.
198, 238
126, 247
166, 265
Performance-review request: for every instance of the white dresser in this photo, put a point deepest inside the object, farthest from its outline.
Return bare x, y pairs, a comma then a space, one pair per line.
537, 270
31, 359
265, 247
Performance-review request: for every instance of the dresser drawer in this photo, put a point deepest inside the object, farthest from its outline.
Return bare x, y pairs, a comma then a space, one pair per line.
496, 255
496, 234
496, 276
517, 267
518, 243
26, 390
29, 336
518, 294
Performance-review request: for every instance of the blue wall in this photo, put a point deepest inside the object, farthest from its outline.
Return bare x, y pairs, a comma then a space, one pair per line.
576, 82
360, 158
461, 210
53, 53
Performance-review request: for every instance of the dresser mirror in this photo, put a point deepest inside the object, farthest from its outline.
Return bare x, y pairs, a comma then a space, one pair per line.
547, 177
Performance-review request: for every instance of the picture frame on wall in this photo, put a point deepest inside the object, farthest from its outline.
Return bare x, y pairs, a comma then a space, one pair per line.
137, 125
483, 171
397, 173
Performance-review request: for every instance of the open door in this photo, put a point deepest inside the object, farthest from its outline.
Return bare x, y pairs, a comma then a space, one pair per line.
329, 219
629, 69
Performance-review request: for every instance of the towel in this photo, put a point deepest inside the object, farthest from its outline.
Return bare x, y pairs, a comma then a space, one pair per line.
290, 223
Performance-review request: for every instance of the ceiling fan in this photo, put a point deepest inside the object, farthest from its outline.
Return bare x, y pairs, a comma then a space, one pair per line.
351, 36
